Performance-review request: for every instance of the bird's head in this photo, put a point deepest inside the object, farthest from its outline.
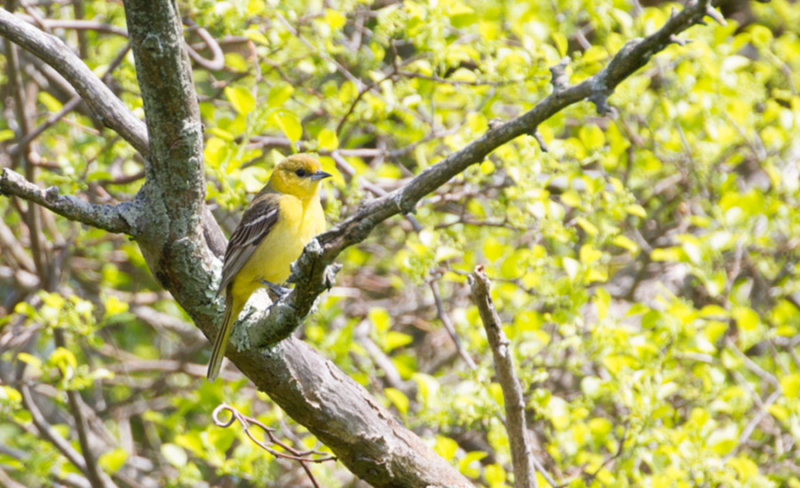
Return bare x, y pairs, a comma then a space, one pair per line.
298, 175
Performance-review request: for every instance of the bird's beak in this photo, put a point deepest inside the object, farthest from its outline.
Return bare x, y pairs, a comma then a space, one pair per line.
320, 175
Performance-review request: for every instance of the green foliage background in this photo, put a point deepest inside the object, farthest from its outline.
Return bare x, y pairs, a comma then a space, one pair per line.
645, 265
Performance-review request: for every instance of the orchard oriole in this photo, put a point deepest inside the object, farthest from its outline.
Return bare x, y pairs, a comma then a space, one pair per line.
284, 216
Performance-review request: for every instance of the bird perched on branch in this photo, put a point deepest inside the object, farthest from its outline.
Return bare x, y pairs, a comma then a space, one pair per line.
284, 216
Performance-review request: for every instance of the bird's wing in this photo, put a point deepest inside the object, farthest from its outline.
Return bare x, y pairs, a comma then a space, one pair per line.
257, 221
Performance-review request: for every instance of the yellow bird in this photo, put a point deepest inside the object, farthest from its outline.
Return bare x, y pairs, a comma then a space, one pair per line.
284, 216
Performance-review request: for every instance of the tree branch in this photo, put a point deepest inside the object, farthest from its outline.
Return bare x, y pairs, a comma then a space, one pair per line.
93, 471
363, 435
273, 369
56, 440
106, 106
311, 273
521, 454
109, 217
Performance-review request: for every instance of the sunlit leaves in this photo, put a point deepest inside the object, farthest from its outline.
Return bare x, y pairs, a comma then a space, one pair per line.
644, 266
241, 99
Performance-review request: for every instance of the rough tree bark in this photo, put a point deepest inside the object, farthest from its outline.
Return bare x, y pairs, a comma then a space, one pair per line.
182, 244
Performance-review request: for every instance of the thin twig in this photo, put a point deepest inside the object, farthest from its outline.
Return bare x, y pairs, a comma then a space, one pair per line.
217, 61
93, 472
106, 106
521, 453
48, 432
448, 325
303, 457
108, 217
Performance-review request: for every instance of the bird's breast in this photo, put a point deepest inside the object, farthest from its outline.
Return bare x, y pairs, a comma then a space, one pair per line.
298, 222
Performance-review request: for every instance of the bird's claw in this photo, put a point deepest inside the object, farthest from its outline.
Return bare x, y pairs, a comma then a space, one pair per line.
277, 291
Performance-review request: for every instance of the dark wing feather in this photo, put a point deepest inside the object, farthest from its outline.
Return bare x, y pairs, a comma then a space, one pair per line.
259, 218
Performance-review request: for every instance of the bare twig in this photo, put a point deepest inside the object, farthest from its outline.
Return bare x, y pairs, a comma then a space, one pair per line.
96, 476
521, 453
67, 108
8, 482
217, 61
106, 106
108, 217
448, 325
48, 432
76, 24
303, 457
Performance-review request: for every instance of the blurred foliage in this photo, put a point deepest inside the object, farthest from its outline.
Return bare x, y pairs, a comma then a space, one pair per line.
645, 265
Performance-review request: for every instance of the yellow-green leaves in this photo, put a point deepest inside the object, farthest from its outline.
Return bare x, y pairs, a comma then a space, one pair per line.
113, 460
241, 99
289, 123
279, 94
398, 399
174, 454
327, 139
445, 447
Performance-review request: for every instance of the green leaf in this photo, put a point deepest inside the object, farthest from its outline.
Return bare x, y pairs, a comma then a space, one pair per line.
561, 43
746, 318
380, 318
174, 454
9, 395
395, 339
637, 210
602, 300
215, 152
496, 475
398, 399
327, 139
49, 101
114, 306
625, 243
29, 359
445, 447
465, 464
493, 249
334, 19
241, 99
790, 384
279, 93
64, 360
113, 460
592, 137
289, 124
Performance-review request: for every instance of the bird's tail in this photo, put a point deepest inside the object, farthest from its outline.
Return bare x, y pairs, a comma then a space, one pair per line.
218, 352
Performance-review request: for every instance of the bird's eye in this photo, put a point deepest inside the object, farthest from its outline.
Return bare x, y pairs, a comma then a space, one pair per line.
300, 172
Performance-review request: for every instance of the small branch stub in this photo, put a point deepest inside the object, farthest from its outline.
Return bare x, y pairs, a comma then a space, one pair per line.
521, 454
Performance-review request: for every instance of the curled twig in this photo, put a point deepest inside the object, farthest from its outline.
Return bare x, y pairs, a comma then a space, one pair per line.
217, 61
303, 457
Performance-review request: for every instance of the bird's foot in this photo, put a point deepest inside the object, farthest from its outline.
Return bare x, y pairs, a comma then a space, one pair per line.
276, 291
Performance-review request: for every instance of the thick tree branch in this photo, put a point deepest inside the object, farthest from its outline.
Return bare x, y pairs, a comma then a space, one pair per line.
109, 217
343, 415
106, 106
313, 270
363, 435
311, 274
175, 230
521, 454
